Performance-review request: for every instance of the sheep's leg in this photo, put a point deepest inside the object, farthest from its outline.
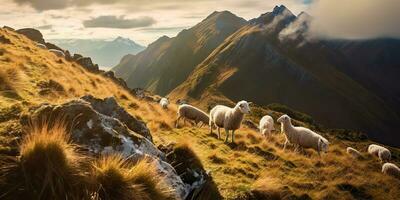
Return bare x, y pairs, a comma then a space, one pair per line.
211, 127
284, 145
296, 148
227, 135
177, 122
233, 136
219, 133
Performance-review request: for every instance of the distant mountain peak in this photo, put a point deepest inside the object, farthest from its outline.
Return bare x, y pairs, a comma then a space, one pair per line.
280, 16
280, 10
126, 41
220, 15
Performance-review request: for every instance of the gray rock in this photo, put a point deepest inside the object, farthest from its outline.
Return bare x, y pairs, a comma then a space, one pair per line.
32, 34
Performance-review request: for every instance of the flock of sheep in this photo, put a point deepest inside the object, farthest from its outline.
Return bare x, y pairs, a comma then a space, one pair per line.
230, 119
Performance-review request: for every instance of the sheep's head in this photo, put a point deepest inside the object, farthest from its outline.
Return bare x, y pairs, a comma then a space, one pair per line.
243, 106
323, 145
283, 119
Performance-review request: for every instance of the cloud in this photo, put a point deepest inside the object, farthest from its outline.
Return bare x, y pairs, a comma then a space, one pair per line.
111, 21
45, 27
44, 4
355, 19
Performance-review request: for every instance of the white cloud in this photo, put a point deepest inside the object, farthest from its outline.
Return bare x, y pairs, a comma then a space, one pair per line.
356, 19
111, 21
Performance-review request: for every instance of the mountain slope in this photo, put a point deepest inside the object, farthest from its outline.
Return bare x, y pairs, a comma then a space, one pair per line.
257, 65
176, 57
375, 63
105, 53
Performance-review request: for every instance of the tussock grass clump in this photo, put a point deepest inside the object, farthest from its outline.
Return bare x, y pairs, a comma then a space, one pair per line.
50, 163
117, 178
267, 188
9, 78
186, 157
47, 168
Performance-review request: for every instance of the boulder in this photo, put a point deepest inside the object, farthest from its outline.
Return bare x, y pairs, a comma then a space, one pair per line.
76, 56
103, 127
57, 52
8, 28
32, 34
53, 46
40, 45
87, 63
110, 107
68, 56
119, 81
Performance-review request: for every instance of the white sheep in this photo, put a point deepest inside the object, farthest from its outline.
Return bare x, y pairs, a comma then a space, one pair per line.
186, 111
40, 45
266, 125
57, 52
353, 152
164, 102
379, 151
301, 136
391, 170
228, 118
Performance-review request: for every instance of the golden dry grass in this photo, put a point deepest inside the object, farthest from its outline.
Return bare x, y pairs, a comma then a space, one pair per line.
116, 178
47, 168
254, 164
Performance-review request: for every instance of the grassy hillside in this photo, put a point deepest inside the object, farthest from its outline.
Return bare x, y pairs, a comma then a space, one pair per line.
256, 165
250, 167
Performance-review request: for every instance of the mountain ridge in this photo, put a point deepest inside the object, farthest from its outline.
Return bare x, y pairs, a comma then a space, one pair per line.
105, 52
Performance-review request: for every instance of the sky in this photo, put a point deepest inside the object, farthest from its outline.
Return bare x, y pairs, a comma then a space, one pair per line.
146, 20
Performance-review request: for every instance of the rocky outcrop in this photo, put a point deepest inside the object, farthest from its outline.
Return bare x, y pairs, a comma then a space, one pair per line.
111, 75
87, 63
110, 107
101, 126
32, 34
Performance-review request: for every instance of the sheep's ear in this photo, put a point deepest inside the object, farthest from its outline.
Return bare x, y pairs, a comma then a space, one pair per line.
250, 103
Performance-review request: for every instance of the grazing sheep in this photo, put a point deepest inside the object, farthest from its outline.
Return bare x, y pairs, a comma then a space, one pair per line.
353, 152
164, 102
266, 125
379, 151
301, 136
391, 170
40, 45
57, 52
228, 118
186, 111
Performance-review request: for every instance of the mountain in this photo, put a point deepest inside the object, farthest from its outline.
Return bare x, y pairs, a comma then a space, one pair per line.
273, 59
167, 62
106, 53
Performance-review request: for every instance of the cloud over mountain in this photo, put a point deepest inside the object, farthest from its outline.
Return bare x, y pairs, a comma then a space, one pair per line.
120, 22
356, 19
